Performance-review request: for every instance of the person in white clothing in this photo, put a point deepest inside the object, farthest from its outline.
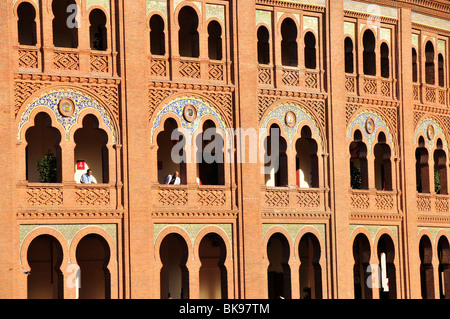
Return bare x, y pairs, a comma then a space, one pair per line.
173, 179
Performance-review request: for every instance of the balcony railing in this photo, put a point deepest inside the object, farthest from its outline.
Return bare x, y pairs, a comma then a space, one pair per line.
30, 58
374, 201
192, 197
432, 203
35, 196
293, 199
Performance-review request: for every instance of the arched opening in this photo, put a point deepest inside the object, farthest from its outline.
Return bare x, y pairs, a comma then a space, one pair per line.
444, 268
441, 70
361, 268
307, 162
26, 25
385, 64
213, 273
278, 272
210, 156
429, 63
43, 151
310, 270
97, 30
310, 51
276, 162
422, 169
188, 37
358, 163
383, 166
426, 268
91, 149
415, 71
369, 55
289, 47
215, 41
386, 256
65, 29
263, 46
172, 155
440, 169
93, 255
174, 273
157, 35
45, 280
349, 60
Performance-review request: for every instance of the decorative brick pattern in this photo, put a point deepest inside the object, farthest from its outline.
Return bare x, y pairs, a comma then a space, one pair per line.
28, 59
66, 61
360, 201
277, 198
158, 67
211, 197
92, 196
384, 202
308, 199
44, 196
99, 63
190, 69
216, 71
173, 197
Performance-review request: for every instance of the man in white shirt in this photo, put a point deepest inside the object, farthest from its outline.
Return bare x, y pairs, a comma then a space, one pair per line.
88, 178
173, 179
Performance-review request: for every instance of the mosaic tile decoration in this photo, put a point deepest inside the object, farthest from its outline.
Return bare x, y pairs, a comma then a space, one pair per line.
415, 40
68, 231
361, 120
157, 5
385, 34
311, 23
294, 230
194, 229
36, 2
441, 46
197, 3
422, 131
430, 21
176, 108
101, 3
216, 11
349, 28
433, 231
374, 230
265, 17
311, 2
371, 9
280, 112
51, 101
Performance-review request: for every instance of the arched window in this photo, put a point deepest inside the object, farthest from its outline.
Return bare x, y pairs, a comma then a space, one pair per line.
93, 255
213, 273
443, 253
263, 46
157, 36
358, 163
440, 170
91, 148
214, 41
188, 37
429, 63
369, 56
174, 276
167, 164
426, 268
441, 70
65, 34
422, 170
276, 159
43, 151
310, 270
385, 65
45, 281
415, 71
386, 256
210, 156
310, 51
361, 255
278, 272
26, 25
383, 169
289, 47
97, 30
307, 163
349, 60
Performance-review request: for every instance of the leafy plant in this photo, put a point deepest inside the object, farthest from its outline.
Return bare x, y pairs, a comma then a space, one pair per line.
437, 182
47, 168
355, 173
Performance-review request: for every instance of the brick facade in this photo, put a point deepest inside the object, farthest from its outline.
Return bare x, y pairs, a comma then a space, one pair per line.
354, 86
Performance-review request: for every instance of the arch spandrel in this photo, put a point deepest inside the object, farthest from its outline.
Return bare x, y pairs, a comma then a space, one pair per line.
370, 133
430, 137
81, 102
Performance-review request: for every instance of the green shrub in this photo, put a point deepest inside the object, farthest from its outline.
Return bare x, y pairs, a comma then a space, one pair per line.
47, 169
